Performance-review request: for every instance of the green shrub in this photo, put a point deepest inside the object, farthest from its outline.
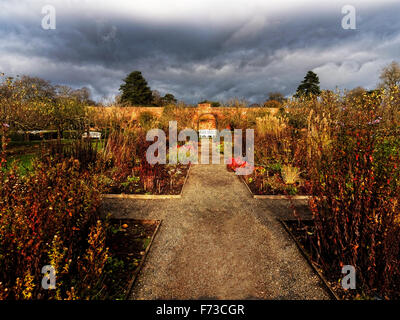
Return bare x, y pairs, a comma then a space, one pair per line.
146, 120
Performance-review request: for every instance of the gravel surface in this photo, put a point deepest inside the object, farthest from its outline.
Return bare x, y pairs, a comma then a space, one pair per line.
217, 242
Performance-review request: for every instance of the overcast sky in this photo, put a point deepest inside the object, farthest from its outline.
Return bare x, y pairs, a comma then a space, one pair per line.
200, 49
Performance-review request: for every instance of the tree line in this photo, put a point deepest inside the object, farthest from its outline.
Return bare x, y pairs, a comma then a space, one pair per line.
135, 90
310, 86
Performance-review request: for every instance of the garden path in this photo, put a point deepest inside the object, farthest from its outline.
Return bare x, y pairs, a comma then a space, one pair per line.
217, 242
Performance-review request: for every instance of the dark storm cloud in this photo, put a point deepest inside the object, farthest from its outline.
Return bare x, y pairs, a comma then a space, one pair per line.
194, 56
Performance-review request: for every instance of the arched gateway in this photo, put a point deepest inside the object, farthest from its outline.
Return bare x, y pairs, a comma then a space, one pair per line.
207, 120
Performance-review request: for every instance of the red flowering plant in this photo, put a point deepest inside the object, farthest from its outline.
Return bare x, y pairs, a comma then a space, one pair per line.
236, 163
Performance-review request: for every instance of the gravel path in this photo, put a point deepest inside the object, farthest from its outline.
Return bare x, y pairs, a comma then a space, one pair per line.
217, 242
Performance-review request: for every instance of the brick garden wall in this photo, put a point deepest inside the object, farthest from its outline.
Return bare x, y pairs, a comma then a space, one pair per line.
133, 113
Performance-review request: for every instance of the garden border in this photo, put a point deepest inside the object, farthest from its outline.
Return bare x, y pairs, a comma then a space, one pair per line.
329, 289
149, 196
139, 268
272, 196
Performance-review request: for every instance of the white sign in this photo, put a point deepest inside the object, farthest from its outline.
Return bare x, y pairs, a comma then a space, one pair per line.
207, 133
93, 135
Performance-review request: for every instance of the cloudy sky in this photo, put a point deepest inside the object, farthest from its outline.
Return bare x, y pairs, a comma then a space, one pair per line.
200, 49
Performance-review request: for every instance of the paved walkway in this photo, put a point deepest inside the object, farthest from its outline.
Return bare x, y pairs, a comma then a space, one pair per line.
217, 242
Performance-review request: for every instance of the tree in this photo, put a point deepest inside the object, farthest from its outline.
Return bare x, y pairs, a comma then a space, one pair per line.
169, 99
390, 76
272, 104
356, 94
156, 98
35, 88
22, 101
65, 114
135, 90
309, 86
33, 104
214, 104
83, 96
276, 96
159, 101
63, 91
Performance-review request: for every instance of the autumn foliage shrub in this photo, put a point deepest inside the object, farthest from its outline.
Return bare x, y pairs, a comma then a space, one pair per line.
348, 150
50, 218
354, 169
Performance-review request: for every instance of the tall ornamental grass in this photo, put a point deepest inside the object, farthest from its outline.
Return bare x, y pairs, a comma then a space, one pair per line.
353, 154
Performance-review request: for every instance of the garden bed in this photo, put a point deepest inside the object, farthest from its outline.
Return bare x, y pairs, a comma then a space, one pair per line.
129, 242
168, 191
300, 233
266, 181
272, 196
273, 181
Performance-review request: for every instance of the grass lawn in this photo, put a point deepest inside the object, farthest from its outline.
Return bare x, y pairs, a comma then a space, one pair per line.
25, 162
26, 151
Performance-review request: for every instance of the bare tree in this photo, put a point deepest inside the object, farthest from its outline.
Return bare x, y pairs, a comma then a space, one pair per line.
390, 76
157, 100
276, 96
35, 88
356, 93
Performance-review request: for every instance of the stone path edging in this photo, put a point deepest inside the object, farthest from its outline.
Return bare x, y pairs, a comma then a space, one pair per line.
217, 242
